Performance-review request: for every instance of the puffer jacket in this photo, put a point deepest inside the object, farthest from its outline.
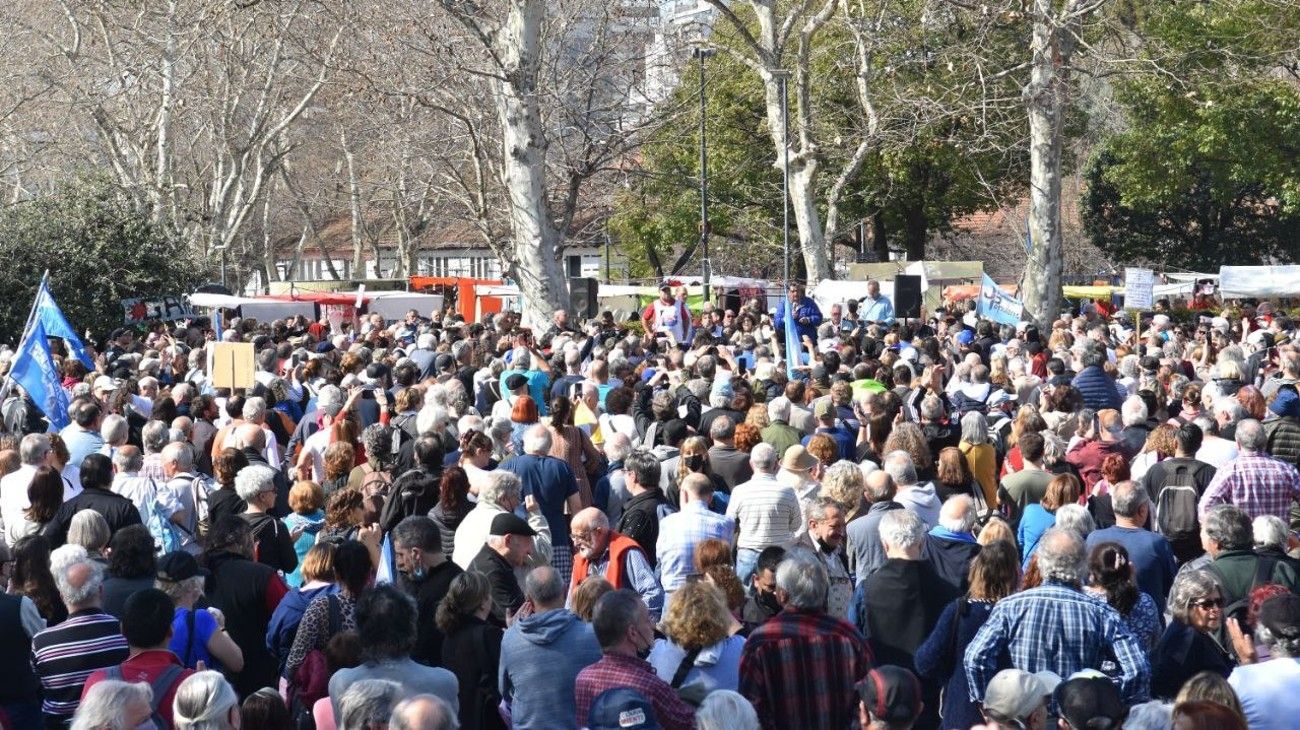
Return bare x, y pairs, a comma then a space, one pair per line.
1283, 439
1098, 389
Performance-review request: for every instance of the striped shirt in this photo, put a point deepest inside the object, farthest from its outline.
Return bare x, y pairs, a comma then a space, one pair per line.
766, 511
66, 655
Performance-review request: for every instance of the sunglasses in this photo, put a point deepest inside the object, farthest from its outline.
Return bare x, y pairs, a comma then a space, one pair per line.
1208, 603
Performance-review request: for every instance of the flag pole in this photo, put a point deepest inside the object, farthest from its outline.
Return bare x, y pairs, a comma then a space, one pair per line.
31, 316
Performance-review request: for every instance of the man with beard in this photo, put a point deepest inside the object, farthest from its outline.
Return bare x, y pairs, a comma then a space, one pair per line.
761, 604
426, 574
600, 550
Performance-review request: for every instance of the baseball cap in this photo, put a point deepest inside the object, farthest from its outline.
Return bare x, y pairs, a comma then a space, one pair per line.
1083, 700
443, 362
105, 384
508, 523
324, 347
1281, 616
621, 708
891, 694
177, 566
1014, 694
665, 286
965, 337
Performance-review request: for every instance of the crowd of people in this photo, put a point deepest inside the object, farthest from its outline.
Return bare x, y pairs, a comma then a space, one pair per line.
671, 521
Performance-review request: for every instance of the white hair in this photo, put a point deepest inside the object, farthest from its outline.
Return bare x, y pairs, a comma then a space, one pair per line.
62, 561
254, 409
1270, 532
1061, 556
763, 458
537, 440
1076, 518
203, 702
724, 709
367, 703
898, 465
779, 409
105, 705
500, 484
617, 446
431, 417
958, 514
253, 479
1134, 411
974, 428
901, 529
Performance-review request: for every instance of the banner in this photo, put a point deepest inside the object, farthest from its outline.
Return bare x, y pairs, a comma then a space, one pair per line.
56, 325
1138, 285
997, 305
34, 369
158, 309
793, 347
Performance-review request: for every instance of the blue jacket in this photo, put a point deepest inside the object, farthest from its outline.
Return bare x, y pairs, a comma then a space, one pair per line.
541, 656
1098, 389
939, 660
283, 627
807, 308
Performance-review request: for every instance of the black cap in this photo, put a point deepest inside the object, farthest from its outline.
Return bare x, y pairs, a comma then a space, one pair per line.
516, 381
507, 523
891, 694
177, 566
444, 362
1084, 699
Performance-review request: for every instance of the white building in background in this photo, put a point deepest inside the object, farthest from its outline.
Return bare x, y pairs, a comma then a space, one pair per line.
680, 27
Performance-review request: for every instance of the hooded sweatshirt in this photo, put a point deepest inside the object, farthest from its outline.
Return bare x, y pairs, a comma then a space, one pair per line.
922, 500
541, 656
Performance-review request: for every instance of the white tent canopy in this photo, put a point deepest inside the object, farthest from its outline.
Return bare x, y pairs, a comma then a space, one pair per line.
1239, 282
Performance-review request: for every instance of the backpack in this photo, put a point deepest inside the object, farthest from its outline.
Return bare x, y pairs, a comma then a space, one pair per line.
403, 431
1238, 609
14, 412
201, 490
159, 686
1176, 506
310, 682
376, 481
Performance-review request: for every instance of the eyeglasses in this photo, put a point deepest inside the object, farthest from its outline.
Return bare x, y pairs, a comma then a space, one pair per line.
1208, 603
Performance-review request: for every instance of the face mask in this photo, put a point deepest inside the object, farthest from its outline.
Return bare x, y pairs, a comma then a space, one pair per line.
644, 653
695, 462
768, 600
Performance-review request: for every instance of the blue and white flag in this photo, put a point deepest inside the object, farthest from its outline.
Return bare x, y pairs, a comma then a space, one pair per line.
217, 329
997, 305
34, 369
56, 325
793, 348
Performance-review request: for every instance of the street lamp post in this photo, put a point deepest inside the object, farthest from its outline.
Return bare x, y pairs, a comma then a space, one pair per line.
783, 76
701, 54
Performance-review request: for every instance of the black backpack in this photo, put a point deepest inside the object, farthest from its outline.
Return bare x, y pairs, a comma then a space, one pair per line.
159, 687
1176, 506
1264, 565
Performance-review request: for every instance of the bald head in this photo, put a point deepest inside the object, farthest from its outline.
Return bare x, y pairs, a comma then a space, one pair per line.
589, 519
423, 712
879, 487
250, 436
545, 588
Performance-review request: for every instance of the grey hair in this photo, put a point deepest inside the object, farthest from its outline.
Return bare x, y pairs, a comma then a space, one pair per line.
114, 429
33, 449
438, 716
804, 579
724, 709
931, 408
544, 586
1250, 436
537, 440
975, 428
901, 529
128, 460
1278, 646
958, 514
1127, 498
253, 479
500, 484
330, 399
1270, 532
88, 529
1228, 525
1133, 411
1053, 447
63, 560
431, 416
180, 455
521, 359
1230, 407
779, 409
617, 446
104, 706
1061, 556
763, 458
1153, 715
377, 439
899, 466
1076, 518
203, 702
1190, 585
254, 409
154, 436
368, 702
819, 509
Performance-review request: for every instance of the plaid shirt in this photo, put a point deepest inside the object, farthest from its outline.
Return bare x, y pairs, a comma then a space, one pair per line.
1061, 629
1257, 483
616, 670
679, 533
798, 669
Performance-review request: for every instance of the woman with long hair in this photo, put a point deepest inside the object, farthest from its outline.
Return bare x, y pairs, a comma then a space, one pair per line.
352, 571
693, 459
44, 496
571, 445
700, 647
980, 454
1160, 445
471, 649
1112, 579
993, 575
31, 577
340, 460
343, 514
909, 437
953, 475
453, 503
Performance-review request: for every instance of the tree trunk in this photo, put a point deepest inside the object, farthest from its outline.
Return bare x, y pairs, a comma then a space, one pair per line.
354, 204
534, 239
879, 235
804, 172
1044, 101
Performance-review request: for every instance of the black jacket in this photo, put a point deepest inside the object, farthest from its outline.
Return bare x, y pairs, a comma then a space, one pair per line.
640, 520
428, 593
247, 593
473, 653
414, 493
901, 603
506, 595
272, 544
950, 559
117, 510
1283, 436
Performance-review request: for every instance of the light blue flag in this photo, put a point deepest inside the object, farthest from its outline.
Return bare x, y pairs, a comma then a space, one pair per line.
217, 329
997, 305
56, 325
34, 370
792, 345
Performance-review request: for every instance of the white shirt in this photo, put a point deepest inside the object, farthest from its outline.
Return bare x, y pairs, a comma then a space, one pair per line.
767, 513
13, 501
1217, 452
143, 491
315, 447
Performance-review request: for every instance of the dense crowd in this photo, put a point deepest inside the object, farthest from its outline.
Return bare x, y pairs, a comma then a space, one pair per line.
672, 521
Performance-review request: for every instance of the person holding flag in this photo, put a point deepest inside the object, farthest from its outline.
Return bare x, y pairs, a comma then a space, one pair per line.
35, 371
56, 325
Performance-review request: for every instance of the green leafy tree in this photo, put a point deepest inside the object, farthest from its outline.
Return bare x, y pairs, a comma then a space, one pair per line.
98, 248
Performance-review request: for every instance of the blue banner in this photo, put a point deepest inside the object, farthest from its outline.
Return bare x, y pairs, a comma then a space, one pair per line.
34, 370
792, 345
997, 305
56, 325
